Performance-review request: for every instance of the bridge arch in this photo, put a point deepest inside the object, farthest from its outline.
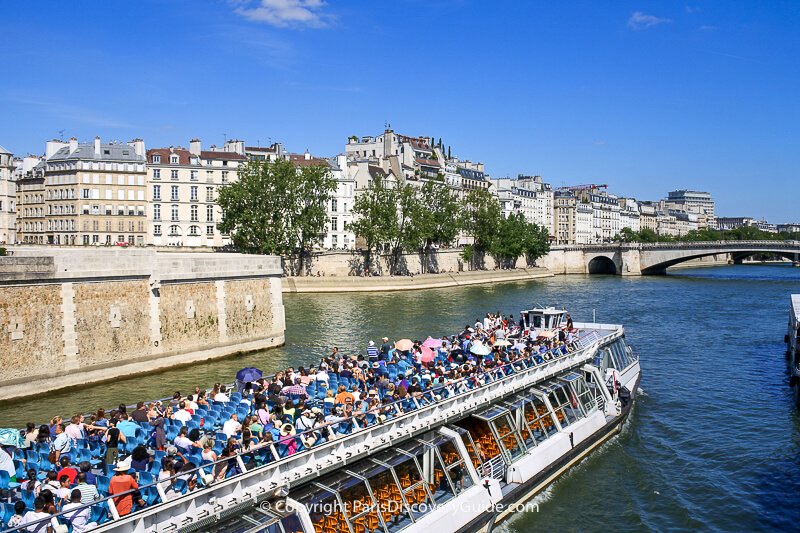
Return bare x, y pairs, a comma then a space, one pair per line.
656, 261
602, 264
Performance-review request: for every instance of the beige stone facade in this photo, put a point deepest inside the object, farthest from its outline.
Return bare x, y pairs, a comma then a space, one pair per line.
82, 316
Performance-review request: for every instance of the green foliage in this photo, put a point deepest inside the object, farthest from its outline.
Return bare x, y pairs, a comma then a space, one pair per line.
440, 218
375, 217
744, 233
517, 237
481, 218
2, 251
276, 207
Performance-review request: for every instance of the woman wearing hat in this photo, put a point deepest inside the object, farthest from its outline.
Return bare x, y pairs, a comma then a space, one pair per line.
286, 443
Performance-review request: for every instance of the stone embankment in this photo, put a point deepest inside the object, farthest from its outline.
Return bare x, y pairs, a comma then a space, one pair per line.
77, 316
302, 284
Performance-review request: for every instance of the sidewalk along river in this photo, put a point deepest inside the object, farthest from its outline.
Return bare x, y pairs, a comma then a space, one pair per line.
713, 442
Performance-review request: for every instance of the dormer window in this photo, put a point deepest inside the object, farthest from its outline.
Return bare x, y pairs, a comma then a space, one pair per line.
173, 159
194, 161
156, 159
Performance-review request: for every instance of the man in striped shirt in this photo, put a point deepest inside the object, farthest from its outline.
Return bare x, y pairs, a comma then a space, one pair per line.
372, 351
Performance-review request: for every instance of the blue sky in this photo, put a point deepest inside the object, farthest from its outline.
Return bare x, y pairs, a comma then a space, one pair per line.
645, 96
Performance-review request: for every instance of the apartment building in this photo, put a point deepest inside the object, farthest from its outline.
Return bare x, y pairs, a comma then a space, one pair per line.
182, 188
8, 198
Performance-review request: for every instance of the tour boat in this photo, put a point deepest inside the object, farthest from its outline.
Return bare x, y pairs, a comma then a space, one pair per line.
793, 346
463, 459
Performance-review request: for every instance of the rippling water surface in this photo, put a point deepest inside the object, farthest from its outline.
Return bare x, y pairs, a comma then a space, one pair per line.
713, 442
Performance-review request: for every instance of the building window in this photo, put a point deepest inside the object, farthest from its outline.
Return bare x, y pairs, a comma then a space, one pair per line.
156, 173
209, 175
156, 192
334, 241
174, 193
194, 231
85, 240
333, 205
209, 213
173, 159
174, 230
174, 213
209, 194
193, 213
156, 159
85, 194
209, 231
193, 193
173, 174
108, 225
334, 224
193, 175
224, 176
157, 230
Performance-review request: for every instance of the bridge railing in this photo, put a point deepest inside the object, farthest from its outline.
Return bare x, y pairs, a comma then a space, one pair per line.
696, 245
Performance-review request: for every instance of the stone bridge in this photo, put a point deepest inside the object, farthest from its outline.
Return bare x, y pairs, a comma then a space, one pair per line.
633, 259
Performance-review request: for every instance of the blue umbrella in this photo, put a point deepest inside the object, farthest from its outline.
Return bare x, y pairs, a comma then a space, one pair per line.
248, 374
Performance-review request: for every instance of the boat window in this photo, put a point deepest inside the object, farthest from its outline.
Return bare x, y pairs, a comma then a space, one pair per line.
540, 420
587, 400
412, 484
456, 467
393, 507
466, 437
324, 506
517, 409
508, 437
565, 405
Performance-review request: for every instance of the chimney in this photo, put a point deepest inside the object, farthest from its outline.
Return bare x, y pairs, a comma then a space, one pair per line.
96, 146
138, 146
306, 155
195, 147
235, 146
52, 147
73, 144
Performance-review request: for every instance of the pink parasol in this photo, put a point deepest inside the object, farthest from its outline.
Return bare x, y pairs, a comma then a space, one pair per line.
427, 354
430, 342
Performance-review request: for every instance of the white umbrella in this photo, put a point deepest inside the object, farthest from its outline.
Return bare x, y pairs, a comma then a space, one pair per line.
480, 349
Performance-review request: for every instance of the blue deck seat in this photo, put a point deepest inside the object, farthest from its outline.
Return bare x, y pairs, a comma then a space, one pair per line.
6, 483
102, 484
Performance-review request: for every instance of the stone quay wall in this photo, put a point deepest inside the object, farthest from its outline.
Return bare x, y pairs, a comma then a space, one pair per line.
560, 260
75, 316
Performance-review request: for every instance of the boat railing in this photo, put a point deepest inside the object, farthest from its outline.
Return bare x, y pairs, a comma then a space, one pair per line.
494, 468
271, 459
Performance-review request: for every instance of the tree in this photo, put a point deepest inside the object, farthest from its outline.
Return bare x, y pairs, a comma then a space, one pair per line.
409, 234
648, 235
509, 243
448, 152
481, 220
537, 242
375, 217
517, 237
312, 193
626, 235
440, 218
276, 207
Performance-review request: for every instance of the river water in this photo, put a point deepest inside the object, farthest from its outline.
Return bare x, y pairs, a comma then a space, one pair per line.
713, 442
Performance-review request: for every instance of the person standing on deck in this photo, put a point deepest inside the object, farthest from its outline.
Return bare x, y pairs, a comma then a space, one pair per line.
372, 352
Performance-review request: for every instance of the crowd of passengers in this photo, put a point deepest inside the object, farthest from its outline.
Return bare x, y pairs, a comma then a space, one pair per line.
62, 466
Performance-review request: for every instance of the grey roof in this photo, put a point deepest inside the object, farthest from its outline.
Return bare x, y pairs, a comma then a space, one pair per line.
3, 150
116, 152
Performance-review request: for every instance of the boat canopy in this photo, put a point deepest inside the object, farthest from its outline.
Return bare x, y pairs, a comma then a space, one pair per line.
544, 318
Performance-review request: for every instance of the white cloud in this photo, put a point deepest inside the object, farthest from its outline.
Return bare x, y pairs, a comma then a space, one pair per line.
641, 21
284, 13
